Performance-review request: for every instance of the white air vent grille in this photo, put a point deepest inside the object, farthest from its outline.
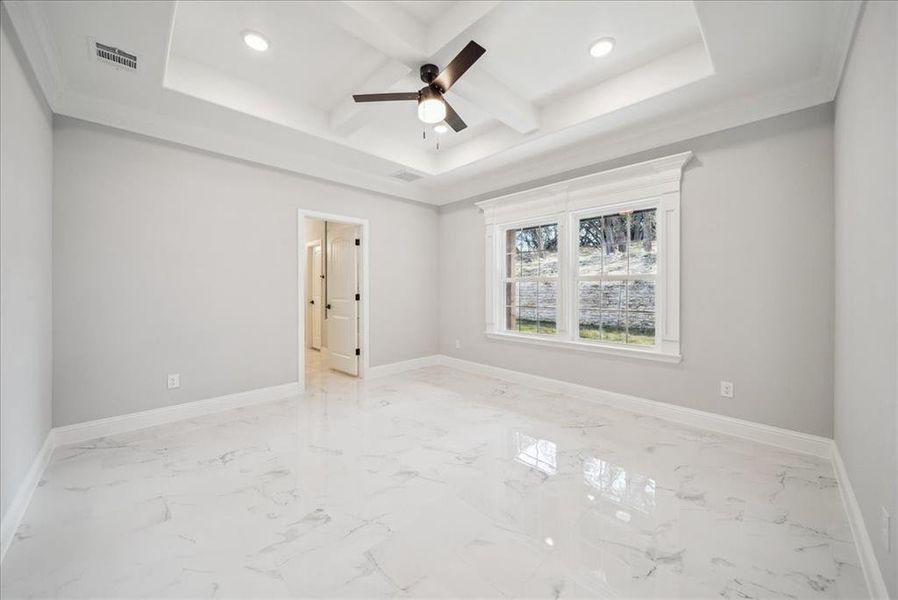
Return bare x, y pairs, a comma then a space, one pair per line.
116, 56
406, 176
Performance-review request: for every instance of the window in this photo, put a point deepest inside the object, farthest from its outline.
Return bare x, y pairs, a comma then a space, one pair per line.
531, 279
589, 264
615, 279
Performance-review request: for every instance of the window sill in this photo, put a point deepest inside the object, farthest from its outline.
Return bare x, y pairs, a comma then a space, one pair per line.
637, 353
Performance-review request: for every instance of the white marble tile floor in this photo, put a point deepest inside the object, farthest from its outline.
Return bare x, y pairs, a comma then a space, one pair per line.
432, 484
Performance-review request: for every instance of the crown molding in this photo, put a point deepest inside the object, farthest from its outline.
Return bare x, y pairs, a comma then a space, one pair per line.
835, 55
31, 27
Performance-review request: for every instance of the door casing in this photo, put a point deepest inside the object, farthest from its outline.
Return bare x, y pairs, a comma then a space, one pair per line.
316, 309
364, 286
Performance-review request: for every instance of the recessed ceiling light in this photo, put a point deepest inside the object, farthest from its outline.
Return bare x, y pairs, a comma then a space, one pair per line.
256, 41
602, 47
441, 129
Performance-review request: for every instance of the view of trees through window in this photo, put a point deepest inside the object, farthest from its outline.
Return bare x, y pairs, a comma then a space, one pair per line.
616, 277
614, 282
531, 279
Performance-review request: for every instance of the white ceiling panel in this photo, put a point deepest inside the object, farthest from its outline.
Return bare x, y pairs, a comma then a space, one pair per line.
536, 101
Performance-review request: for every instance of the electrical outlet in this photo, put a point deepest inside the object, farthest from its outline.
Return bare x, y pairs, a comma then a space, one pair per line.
726, 389
457, 344
886, 529
174, 381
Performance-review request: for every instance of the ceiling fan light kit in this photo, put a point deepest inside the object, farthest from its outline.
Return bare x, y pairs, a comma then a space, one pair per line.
432, 106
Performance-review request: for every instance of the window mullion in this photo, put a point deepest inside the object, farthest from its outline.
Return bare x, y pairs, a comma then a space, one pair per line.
571, 262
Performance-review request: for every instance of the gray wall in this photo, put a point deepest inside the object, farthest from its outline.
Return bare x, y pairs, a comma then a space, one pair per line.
26, 185
171, 260
757, 276
866, 330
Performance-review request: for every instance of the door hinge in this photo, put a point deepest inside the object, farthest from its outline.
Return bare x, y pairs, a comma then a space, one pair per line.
358, 242
358, 352
358, 296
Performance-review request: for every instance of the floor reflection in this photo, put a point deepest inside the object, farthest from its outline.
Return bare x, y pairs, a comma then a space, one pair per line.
536, 453
615, 483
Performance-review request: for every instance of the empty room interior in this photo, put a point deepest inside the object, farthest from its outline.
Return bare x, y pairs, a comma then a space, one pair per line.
449, 299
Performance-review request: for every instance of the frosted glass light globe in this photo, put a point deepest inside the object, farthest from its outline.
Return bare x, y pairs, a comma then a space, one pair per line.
431, 110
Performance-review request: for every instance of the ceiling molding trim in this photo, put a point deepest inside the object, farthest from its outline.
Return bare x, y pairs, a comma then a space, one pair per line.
117, 116
702, 30
33, 32
173, 20
835, 55
604, 148
679, 69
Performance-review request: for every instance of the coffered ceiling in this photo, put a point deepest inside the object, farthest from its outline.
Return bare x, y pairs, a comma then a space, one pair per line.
536, 103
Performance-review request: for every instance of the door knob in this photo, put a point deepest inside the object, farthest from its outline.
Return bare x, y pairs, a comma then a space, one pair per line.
311, 302
327, 306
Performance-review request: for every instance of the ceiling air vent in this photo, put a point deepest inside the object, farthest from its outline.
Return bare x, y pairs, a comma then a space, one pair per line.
115, 57
406, 176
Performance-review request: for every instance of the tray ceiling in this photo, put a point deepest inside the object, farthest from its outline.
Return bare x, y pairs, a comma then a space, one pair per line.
536, 103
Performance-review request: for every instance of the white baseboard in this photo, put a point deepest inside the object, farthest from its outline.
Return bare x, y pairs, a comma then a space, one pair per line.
89, 430
16, 510
766, 434
876, 585
404, 365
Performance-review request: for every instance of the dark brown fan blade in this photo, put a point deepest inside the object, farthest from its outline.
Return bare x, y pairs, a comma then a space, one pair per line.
457, 67
385, 97
452, 118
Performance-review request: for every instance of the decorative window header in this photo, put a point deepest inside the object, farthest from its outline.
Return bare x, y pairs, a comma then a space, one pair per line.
590, 263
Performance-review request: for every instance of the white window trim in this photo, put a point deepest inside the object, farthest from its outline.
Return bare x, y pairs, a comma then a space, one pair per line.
654, 183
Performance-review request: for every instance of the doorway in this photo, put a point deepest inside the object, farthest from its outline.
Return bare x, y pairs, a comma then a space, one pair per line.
333, 282
315, 304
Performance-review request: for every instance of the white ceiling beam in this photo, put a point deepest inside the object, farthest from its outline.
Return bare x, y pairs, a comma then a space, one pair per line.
487, 93
346, 117
392, 31
478, 86
455, 21
384, 26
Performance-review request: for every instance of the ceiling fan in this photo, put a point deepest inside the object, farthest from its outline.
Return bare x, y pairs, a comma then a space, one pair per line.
432, 107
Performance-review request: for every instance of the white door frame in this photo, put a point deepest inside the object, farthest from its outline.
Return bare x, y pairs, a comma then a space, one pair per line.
365, 281
311, 308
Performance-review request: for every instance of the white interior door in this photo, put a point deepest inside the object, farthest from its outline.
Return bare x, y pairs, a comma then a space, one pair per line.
315, 300
342, 307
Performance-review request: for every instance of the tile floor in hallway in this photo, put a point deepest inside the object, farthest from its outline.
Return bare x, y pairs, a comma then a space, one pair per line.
432, 483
